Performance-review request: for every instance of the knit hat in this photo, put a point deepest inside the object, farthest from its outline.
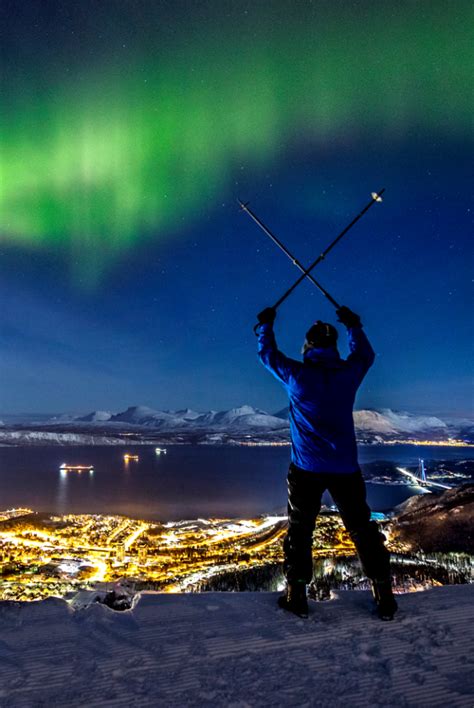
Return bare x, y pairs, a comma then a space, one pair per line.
322, 335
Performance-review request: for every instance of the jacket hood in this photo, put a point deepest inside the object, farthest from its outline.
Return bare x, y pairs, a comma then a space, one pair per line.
328, 356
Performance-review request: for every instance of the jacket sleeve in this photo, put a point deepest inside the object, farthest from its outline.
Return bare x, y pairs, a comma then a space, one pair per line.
274, 360
362, 355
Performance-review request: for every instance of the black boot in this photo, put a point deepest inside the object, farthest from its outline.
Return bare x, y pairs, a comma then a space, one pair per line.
295, 600
384, 599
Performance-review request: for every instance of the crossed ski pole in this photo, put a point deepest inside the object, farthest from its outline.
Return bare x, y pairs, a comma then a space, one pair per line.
306, 272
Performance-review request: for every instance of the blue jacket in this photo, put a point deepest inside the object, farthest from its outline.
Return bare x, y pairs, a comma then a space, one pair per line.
321, 391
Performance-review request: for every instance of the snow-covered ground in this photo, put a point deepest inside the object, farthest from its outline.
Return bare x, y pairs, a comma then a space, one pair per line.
238, 650
35, 437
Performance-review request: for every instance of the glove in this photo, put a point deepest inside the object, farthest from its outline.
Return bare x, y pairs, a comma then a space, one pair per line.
347, 317
267, 316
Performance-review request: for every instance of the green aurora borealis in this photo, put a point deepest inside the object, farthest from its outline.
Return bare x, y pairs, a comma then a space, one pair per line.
141, 136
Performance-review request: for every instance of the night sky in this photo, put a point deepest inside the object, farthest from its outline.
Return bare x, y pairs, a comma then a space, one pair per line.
130, 128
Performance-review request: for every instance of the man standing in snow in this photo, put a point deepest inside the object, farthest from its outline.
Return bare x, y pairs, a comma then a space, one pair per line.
321, 391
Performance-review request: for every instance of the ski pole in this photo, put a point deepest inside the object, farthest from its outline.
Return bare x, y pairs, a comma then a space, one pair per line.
376, 197
294, 260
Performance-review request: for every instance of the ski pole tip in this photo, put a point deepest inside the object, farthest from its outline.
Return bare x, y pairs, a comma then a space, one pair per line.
243, 205
376, 196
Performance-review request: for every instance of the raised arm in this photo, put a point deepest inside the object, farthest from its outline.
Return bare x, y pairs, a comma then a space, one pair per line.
271, 357
362, 355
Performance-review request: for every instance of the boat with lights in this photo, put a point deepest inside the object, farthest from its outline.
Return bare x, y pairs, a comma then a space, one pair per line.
76, 468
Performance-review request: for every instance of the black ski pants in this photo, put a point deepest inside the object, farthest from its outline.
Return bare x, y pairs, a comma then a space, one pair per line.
305, 490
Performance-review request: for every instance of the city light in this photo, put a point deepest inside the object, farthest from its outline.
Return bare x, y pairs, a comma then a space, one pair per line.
450, 442
56, 555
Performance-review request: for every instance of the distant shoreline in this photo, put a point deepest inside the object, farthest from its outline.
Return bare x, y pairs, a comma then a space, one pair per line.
27, 437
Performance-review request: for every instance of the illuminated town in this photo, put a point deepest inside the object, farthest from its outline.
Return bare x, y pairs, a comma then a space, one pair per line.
43, 555
449, 442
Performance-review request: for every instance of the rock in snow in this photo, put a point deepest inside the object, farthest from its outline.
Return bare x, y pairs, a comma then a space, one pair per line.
238, 649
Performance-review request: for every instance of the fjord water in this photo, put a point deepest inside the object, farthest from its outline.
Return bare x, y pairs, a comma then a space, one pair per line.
190, 481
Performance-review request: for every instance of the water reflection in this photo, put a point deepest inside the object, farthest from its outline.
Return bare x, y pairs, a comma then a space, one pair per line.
61, 496
188, 482
64, 488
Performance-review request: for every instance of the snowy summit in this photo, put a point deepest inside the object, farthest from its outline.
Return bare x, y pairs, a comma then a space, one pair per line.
238, 649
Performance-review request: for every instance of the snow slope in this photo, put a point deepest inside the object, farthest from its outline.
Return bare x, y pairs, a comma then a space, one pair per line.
393, 422
438, 523
96, 417
390, 424
30, 437
241, 418
238, 649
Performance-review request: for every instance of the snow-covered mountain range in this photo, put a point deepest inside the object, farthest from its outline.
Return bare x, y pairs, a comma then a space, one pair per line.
243, 418
372, 426
243, 422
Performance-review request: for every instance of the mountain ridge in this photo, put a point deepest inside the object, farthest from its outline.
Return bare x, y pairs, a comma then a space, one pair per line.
243, 423
372, 425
